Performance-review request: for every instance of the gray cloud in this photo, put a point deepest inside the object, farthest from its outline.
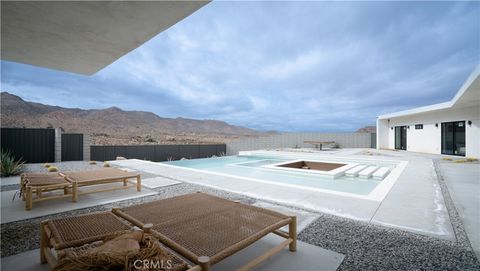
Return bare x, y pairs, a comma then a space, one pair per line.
327, 66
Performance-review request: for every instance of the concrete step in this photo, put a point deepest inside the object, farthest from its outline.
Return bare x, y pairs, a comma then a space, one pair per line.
367, 173
381, 173
353, 172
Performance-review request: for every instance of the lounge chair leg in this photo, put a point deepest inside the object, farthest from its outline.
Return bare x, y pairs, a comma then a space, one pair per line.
43, 242
65, 190
124, 182
139, 183
204, 262
292, 232
22, 191
28, 202
39, 192
74, 192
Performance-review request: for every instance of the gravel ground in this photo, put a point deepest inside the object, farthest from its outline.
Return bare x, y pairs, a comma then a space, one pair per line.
366, 246
370, 247
63, 166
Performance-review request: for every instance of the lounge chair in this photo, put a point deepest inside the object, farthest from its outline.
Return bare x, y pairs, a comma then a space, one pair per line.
36, 183
206, 229
189, 225
100, 176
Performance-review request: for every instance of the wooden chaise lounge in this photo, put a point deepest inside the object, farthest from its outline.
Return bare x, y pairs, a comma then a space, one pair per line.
200, 228
37, 183
100, 176
206, 229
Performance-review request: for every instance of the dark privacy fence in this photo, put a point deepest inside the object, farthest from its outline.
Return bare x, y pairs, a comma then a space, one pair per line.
72, 147
156, 153
29, 144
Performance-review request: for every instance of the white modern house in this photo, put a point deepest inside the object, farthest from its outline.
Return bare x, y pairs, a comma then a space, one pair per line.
451, 128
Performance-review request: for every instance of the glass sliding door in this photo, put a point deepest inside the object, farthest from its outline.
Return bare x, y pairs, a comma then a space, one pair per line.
401, 137
453, 138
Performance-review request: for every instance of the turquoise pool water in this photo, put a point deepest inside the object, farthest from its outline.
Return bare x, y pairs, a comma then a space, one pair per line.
251, 167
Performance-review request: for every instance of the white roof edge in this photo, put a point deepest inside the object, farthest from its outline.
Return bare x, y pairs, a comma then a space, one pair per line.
438, 106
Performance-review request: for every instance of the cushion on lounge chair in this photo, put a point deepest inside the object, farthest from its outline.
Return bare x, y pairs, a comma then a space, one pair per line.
117, 254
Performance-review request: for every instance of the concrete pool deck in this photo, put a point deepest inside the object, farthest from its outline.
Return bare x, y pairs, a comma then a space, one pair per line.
463, 182
414, 202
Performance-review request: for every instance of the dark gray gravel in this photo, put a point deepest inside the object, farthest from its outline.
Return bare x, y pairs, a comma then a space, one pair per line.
370, 247
63, 166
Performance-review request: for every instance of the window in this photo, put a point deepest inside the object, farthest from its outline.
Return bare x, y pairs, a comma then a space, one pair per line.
418, 126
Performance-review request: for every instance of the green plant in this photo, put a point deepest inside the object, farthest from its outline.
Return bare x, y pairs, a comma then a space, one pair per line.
10, 166
106, 164
52, 169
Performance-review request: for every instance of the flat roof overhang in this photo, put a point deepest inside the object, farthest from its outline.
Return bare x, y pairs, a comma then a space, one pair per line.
468, 95
81, 36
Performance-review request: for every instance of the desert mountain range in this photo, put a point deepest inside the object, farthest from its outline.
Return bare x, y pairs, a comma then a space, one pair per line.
116, 126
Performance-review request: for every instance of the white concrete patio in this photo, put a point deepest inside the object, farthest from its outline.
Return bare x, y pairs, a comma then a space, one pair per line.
414, 203
463, 181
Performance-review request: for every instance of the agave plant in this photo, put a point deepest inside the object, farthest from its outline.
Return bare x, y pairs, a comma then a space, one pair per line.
9, 166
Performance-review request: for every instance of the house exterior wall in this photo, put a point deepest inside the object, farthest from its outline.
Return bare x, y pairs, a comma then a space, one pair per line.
428, 139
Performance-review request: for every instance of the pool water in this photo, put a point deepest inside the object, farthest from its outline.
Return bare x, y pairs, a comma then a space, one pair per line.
251, 167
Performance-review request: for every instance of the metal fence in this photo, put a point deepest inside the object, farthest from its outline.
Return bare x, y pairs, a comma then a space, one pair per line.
156, 153
29, 144
296, 140
72, 147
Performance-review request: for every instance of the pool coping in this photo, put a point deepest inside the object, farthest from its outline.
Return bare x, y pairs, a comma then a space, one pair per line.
377, 194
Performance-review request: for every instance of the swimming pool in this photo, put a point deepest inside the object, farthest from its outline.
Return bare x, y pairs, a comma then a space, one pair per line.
262, 168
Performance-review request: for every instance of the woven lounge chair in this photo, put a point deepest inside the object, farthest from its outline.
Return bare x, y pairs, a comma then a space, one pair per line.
60, 238
100, 176
36, 183
206, 229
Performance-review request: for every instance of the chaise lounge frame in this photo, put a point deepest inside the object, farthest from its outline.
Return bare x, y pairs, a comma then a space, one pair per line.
68, 233
190, 212
101, 176
37, 183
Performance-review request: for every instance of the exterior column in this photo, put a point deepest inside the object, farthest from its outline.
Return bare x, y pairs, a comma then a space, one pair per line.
58, 145
86, 147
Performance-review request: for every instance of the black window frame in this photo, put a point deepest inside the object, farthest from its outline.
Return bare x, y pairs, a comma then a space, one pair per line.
418, 126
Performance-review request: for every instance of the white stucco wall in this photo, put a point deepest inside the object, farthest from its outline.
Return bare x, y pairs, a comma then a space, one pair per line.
428, 139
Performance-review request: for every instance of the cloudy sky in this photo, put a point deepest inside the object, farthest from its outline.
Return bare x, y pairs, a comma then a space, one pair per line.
305, 66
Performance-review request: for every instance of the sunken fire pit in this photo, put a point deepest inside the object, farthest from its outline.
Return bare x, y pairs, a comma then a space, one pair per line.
310, 165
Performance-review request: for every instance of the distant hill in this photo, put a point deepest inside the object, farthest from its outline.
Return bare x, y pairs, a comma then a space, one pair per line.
114, 122
367, 129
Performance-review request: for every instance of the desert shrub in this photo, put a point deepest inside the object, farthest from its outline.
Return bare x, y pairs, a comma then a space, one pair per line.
52, 169
47, 165
92, 163
106, 164
10, 166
